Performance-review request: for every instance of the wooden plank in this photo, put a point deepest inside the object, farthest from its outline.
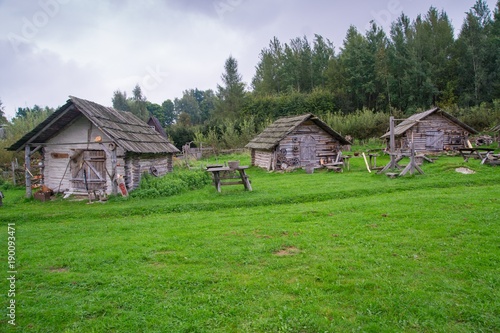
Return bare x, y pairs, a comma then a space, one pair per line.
232, 183
366, 163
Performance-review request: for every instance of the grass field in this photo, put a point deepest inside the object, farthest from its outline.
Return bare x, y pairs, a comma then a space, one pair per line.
321, 252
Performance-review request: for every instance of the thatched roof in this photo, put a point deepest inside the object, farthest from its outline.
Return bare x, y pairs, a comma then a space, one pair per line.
282, 127
414, 119
124, 128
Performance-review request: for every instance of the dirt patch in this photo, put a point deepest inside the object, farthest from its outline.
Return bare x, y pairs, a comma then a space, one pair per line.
165, 252
287, 251
465, 171
58, 269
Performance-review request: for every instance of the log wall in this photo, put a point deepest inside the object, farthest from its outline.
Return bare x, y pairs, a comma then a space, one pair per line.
262, 158
307, 144
325, 146
434, 134
137, 164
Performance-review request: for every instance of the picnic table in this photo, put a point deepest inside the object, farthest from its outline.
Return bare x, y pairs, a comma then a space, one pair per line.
221, 173
479, 153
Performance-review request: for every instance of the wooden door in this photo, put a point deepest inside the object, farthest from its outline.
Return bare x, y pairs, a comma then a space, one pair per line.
307, 150
88, 170
434, 140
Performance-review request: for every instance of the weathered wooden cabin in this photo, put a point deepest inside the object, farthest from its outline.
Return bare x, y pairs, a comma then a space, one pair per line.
295, 142
87, 146
433, 131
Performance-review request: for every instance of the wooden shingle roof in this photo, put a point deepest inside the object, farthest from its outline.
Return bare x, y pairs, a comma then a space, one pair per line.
272, 135
411, 121
124, 128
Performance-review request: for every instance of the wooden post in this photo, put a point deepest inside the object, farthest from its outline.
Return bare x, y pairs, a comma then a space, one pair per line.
114, 184
412, 166
392, 148
13, 165
217, 180
392, 142
244, 179
366, 162
27, 172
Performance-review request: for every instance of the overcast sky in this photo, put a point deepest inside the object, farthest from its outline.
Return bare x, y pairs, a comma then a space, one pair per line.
51, 49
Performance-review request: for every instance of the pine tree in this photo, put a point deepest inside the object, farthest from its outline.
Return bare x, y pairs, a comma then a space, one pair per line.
472, 54
138, 103
231, 94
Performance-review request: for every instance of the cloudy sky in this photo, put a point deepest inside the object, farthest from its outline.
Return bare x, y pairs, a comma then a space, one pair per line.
50, 49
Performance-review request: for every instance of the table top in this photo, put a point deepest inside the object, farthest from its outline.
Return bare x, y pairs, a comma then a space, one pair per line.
218, 169
477, 149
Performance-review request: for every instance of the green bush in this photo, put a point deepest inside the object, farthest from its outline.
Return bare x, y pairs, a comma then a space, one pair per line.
170, 184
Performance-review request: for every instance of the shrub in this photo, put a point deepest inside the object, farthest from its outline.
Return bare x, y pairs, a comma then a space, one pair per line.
170, 184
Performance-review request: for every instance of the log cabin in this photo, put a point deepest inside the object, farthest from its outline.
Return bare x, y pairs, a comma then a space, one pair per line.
85, 147
294, 142
433, 131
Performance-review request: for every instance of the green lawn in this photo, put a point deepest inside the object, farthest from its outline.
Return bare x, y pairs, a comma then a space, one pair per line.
321, 252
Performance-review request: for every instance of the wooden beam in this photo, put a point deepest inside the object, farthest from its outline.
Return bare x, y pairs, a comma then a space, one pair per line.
27, 166
114, 184
30, 141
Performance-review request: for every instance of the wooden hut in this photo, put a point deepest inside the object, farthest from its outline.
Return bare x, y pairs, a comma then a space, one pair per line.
433, 131
87, 147
295, 142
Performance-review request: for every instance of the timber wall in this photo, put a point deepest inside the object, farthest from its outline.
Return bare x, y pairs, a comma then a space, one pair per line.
452, 135
262, 158
325, 147
137, 164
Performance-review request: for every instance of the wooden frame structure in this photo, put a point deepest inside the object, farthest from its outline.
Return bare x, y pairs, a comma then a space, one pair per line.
395, 158
86, 147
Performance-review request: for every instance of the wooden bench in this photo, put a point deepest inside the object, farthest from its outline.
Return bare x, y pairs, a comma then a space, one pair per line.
478, 153
337, 166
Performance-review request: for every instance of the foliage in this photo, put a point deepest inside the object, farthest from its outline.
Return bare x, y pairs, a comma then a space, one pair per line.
195, 107
120, 101
137, 104
231, 94
419, 65
228, 134
26, 120
3, 119
482, 117
295, 66
180, 134
362, 125
262, 108
170, 184
164, 112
